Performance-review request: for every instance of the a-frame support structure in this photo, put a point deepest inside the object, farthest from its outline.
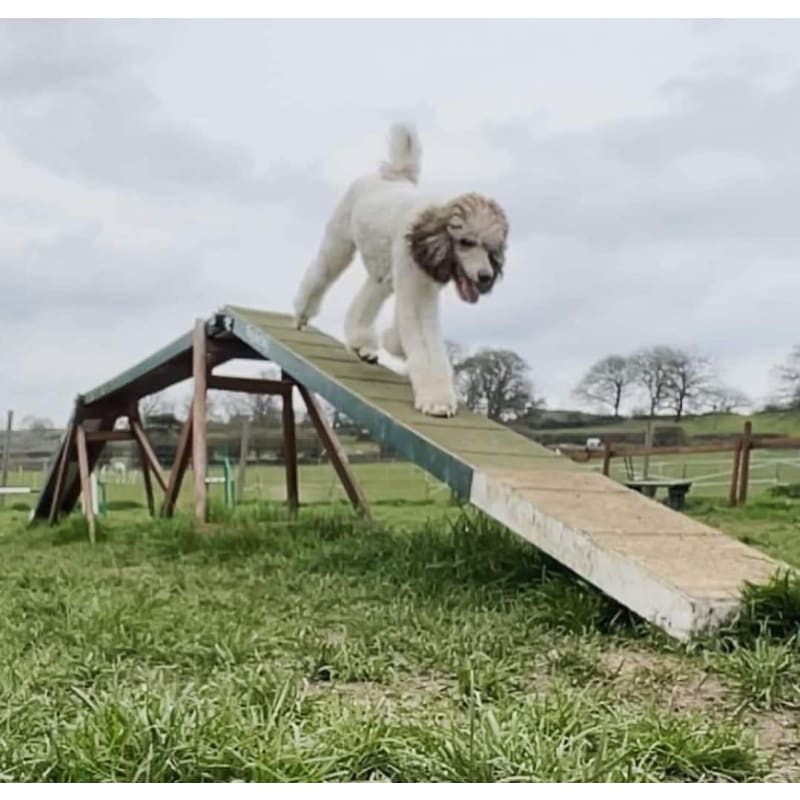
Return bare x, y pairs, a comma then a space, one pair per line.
96, 417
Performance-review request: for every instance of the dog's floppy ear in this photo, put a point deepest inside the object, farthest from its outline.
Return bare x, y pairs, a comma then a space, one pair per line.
432, 245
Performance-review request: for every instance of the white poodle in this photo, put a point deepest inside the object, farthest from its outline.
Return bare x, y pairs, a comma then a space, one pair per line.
412, 247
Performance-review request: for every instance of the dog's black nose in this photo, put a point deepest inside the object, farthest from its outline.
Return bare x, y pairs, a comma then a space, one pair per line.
485, 281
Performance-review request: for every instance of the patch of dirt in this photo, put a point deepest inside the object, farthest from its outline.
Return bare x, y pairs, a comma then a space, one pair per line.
625, 663
669, 679
408, 692
778, 737
664, 677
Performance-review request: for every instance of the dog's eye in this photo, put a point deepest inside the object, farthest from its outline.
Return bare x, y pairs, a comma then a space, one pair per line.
496, 259
467, 243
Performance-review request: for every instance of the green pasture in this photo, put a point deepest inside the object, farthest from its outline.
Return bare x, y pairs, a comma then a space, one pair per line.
428, 645
774, 422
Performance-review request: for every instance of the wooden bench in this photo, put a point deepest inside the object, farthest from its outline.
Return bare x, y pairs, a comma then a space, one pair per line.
676, 489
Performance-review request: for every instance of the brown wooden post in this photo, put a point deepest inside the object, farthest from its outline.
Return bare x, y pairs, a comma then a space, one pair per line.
607, 452
244, 447
335, 452
6, 453
141, 439
86, 488
648, 443
182, 455
744, 474
199, 426
146, 451
148, 483
737, 460
290, 448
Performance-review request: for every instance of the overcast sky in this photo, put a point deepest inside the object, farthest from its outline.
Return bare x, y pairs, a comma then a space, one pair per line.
151, 172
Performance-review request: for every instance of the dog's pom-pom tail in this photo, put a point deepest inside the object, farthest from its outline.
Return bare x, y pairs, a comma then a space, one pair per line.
405, 154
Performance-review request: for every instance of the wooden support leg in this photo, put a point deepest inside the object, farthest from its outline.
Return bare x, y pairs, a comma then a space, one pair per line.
147, 459
146, 451
148, 483
336, 453
182, 455
86, 489
199, 413
290, 449
63, 460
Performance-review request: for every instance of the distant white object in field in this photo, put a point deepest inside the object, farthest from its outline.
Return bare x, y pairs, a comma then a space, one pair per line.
116, 468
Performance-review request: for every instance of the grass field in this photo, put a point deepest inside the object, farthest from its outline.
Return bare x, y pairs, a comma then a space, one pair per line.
430, 645
402, 481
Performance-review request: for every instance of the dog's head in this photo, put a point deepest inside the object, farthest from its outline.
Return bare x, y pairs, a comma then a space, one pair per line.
465, 241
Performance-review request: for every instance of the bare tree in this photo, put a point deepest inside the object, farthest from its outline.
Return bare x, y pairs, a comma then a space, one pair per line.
37, 424
214, 407
788, 375
265, 409
455, 352
606, 382
497, 383
155, 404
689, 379
722, 399
651, 371
235, 404
262, 409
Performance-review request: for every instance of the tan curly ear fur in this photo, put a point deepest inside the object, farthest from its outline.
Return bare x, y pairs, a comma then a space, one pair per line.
476, 206
431, 244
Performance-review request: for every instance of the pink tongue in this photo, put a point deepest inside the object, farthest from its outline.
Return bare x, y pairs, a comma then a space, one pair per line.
467, 292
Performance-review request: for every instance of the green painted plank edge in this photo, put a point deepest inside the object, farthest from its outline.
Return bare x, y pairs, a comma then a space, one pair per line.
181, 345
42, 507
403, 438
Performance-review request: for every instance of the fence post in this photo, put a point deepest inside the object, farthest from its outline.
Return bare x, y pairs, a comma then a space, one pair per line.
199, 421
6, 453
606, 457
244, 448
648, 443
744, 473
737, 460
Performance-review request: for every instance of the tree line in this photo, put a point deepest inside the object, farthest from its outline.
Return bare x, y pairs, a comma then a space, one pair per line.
664, 378
499, 384
661, 378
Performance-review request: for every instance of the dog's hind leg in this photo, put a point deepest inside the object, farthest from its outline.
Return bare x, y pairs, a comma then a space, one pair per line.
335, 254
359, 324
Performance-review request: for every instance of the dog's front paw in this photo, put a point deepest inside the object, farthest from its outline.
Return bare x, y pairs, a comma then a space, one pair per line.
367, 355
436, 403
306, 307
438, 409
363, 343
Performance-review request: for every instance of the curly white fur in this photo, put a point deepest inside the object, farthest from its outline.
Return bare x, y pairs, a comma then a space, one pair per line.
413, 247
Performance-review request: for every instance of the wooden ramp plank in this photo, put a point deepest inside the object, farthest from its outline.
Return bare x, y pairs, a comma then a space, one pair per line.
676, 573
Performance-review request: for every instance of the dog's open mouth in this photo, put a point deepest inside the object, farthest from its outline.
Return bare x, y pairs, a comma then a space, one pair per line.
467, 290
